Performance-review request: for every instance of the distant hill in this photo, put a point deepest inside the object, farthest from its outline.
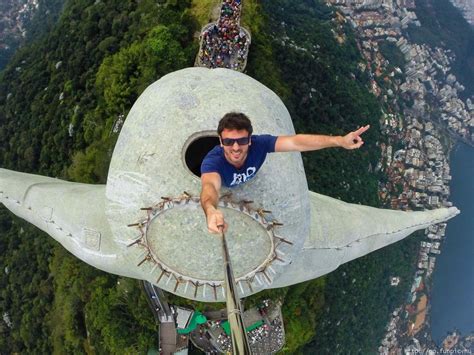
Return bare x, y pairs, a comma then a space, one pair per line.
23, 20
442, 25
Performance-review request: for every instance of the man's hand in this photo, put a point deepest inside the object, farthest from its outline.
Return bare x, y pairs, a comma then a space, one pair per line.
353, 140
215, 221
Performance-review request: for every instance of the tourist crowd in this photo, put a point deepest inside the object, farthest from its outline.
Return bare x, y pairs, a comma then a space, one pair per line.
225, 44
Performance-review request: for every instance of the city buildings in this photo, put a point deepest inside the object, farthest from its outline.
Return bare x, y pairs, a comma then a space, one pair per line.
422, 108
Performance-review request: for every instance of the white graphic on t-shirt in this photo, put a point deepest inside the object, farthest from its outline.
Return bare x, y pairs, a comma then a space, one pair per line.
243, 177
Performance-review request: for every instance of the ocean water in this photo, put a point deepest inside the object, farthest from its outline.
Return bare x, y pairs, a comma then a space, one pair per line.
452, 296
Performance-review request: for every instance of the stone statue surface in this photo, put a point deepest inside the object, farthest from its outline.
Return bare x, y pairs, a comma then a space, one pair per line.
146, 222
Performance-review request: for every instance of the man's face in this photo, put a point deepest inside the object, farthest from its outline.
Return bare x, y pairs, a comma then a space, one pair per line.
235, 153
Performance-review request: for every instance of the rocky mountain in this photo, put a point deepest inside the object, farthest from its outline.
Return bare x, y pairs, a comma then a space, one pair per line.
14, 17
19, 19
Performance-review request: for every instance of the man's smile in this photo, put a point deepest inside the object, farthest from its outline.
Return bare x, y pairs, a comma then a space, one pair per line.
236, 154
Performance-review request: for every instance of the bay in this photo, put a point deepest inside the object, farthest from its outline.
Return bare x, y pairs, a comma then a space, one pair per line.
452, 297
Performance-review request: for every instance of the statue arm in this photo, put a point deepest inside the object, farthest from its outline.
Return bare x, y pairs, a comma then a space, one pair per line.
71, 213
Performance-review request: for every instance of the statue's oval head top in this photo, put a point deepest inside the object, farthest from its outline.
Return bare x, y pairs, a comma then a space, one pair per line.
149, 163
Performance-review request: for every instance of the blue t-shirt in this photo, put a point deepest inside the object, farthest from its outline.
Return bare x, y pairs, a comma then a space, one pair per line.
215, 161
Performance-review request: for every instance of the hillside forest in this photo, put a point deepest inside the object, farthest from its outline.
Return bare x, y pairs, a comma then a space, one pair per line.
62, 97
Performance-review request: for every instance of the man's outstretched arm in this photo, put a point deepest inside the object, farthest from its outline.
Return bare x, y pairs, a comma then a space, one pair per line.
211, 185
308, 142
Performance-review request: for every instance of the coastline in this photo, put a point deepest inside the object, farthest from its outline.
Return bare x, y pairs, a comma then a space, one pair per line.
423, 119
455, 263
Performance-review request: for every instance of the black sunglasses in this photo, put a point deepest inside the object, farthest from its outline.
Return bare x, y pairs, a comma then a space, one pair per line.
240, 141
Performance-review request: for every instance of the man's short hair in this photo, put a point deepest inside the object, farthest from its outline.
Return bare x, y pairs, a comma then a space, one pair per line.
234, 120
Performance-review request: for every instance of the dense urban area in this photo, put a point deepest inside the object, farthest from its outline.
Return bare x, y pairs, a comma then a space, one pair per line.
423, 105
467, 8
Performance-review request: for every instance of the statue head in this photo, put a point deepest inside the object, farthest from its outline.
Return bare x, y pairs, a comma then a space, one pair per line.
178, 113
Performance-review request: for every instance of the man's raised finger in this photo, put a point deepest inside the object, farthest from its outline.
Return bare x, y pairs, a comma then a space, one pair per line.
362, 130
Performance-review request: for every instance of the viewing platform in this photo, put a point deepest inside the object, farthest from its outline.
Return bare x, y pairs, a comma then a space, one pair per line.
224, 44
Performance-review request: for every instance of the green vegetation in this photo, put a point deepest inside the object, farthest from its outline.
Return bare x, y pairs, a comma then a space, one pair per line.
298, 56
392, 53
59, 115
203, 10
26, 292
442, 25
359, 299
325, 92
82, 75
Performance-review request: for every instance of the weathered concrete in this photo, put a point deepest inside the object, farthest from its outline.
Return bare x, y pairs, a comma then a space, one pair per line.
167, 117
170, 245
341, 232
